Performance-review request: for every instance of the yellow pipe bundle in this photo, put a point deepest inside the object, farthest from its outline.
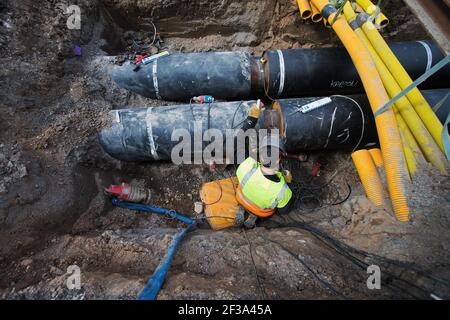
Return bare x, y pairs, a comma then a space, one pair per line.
421, 106
377, 157
407, 149
305, 9
368, 174
389, 135
407, 114
316, 15
381, 20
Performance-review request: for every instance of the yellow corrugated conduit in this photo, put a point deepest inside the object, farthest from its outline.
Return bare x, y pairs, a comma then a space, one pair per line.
407, 149
368, 174
416, 98
395, 164
380, 20
406, 112
377, 157
305, 9
409, 139
316, 15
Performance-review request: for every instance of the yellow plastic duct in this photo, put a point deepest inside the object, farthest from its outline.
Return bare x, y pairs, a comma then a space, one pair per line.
411, 161
316, 15
416, 98
427, 144
368, 174
326, 23
305, 9
394, 160
409, 139
377, 157
381, 20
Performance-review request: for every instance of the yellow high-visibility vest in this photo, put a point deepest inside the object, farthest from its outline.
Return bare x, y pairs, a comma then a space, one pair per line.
262, 192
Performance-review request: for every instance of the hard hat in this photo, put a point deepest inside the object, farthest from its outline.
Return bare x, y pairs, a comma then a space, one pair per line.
273, 140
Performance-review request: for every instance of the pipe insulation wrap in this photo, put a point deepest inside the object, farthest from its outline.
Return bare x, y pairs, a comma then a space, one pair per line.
144, 134
302, 72
285, 73
181, 76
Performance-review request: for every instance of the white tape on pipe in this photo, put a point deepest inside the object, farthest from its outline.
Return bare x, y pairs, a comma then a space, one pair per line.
429, 54
282, 72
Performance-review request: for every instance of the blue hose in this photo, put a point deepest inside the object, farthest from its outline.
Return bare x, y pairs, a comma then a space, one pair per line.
149, 208
154, 284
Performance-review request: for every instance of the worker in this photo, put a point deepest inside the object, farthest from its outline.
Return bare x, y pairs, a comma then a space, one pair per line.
263, 188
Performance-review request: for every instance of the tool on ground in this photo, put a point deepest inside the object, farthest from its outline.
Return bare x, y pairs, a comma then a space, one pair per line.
126, 192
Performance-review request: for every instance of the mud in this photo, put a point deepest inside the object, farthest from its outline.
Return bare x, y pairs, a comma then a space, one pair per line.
53, 213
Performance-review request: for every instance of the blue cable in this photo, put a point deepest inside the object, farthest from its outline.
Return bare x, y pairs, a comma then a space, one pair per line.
154, 284
153, 209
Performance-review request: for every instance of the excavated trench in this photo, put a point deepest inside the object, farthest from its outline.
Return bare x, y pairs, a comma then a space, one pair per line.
53, 213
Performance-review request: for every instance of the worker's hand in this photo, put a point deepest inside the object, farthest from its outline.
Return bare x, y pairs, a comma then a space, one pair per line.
254, 111
287, 176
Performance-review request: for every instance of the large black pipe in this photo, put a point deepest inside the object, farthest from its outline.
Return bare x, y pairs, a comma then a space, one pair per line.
281, 73
144, 134
322, 71
183, 76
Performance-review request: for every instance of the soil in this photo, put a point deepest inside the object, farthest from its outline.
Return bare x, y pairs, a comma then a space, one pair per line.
53, 212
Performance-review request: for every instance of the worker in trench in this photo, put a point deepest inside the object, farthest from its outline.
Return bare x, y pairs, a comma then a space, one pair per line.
263, 186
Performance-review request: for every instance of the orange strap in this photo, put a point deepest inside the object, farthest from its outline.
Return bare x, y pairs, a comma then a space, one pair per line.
250, 206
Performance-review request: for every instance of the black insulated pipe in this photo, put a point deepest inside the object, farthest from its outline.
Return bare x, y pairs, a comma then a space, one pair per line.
322, 71
229, 75
284, 73
145, 134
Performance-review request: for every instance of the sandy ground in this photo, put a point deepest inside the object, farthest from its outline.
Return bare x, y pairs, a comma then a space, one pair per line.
53, 213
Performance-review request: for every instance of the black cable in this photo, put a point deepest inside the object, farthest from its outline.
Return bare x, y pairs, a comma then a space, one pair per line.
346, 250
261, 288
303, 193
315, 275
234, 115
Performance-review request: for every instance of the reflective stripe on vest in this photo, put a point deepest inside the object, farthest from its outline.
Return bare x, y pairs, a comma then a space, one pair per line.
247, 176
251, 207
280, 196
